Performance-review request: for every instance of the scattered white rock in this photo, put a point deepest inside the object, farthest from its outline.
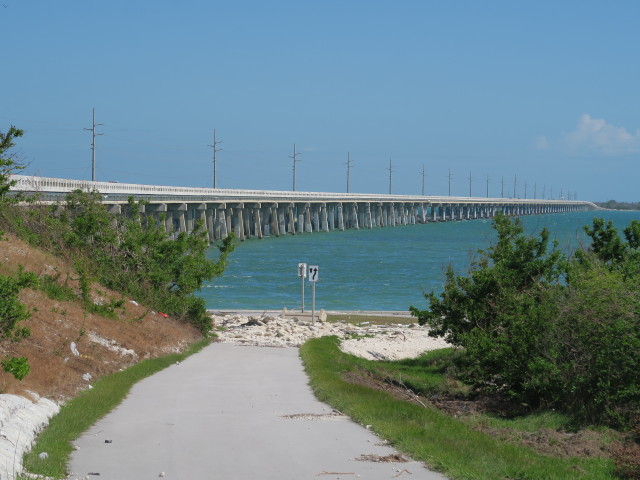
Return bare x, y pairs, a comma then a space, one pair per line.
20, 421
374, 342
74, 349
111, 345
87, 377
43, 455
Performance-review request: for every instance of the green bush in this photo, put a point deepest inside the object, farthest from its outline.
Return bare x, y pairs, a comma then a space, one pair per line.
12, 314
547, 330
128, 253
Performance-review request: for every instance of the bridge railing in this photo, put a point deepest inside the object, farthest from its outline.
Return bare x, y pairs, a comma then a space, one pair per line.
112, 190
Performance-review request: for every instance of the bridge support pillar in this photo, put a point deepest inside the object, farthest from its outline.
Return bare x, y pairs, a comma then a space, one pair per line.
257, 221
340, 217
324, 218
220, 230
291, 223
332, 217
281, 220
209, 223
307, 219
300, 224
176, 218
238, 221
354, 217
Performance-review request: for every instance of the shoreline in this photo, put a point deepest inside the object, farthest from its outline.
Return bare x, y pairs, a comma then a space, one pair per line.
376, 313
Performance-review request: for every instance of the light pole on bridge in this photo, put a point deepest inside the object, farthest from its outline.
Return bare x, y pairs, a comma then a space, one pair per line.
295, 160
93, 145
215, 150
390, 172
348, 164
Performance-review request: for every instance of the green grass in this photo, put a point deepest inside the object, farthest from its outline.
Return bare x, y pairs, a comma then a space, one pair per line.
444, 443
83, 411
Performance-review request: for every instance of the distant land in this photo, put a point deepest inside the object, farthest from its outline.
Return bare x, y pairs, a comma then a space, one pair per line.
613, 205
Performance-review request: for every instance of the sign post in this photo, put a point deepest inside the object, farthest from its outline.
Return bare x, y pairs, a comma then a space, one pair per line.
313, 278
302, 273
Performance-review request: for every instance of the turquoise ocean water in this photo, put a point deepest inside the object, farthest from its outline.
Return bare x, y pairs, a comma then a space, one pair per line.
377, 269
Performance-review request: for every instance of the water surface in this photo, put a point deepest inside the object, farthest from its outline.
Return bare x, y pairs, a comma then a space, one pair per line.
378, 269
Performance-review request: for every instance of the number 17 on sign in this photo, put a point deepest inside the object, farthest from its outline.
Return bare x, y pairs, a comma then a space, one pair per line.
313, 278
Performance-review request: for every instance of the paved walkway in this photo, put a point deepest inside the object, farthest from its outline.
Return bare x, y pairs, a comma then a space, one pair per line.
233, 413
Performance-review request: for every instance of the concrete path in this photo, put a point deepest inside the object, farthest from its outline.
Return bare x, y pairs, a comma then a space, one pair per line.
233, 413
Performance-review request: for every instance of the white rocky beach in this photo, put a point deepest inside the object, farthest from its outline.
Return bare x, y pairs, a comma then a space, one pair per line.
373, 342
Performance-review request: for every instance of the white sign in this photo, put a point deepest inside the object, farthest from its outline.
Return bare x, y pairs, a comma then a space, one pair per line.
313, 273
302, 270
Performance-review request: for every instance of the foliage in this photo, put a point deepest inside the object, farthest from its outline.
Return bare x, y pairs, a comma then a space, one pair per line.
50, 285
129, 253
441, 441
16, 366
12, 314
8, 162
548, 330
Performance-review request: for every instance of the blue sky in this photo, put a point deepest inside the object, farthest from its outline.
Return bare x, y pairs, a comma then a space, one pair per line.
544, 91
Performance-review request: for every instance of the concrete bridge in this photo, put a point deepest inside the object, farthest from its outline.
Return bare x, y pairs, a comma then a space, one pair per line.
259, 213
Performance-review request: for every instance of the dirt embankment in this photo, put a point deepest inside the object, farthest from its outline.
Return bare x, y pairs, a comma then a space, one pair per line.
69, 347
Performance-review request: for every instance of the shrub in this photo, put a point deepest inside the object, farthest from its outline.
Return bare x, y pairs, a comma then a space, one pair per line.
128, 253
12, 313
547, 330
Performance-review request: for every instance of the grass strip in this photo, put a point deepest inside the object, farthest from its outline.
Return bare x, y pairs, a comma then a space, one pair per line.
76, 416
440, 441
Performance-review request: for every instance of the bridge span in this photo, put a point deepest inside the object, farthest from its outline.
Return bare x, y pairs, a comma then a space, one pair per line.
259, 213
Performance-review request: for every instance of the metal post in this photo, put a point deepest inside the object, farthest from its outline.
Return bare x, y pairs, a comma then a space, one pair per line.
215, 150
313, 302
302, 294
295, 160
93, 145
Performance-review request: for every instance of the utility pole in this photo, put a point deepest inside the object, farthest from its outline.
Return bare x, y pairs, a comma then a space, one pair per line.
502, 190
470, 180
295, 159
515, 181
544, 191
423, 179
560, 193
215, 150
390, 171
525, 190
551, 195
93, 145
449, 177
348, 164
535, 190
488, 181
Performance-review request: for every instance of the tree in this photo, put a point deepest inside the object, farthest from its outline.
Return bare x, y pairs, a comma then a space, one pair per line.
547, 330
12, 311
8, 162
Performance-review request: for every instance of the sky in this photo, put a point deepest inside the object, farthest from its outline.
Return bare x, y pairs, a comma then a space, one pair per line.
540, 95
